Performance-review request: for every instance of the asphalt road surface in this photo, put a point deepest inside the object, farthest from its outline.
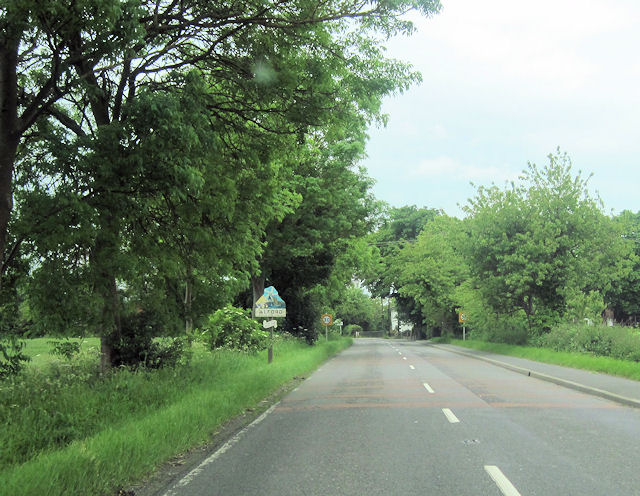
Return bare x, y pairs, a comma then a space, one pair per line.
403, 418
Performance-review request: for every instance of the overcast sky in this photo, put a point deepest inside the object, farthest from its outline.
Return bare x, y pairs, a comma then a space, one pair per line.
506, 82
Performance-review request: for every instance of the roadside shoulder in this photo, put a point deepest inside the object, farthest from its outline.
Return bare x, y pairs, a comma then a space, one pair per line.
620, 390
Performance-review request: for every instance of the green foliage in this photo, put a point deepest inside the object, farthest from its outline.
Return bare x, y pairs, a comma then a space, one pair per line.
534, 245
623, 296
618, 342
399, 227
314, 245
233, 329
357, 308
65, 349
583, 306
161, 180
12, 358
136, 346
352, 329
429, 270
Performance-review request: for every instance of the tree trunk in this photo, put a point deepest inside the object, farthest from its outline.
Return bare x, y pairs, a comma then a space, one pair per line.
188, 299
9, 138
7, 157
104, 260
257, 286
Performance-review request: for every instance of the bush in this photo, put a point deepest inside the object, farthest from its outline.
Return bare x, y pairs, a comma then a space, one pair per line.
12, 360
136, 345
351, 329
599, 340
65, 349
231, 328
499, 329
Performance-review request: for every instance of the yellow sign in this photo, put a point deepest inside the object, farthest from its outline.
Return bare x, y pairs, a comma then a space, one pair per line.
327, 319
462, 317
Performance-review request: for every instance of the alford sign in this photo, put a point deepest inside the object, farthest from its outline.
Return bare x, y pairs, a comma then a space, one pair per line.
270, 304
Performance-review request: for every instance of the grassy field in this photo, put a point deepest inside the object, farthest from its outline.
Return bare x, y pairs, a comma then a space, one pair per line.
39, 349
65, 430
606, 365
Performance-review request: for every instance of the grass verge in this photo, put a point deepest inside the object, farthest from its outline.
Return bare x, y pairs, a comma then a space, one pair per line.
606, 365
127, 449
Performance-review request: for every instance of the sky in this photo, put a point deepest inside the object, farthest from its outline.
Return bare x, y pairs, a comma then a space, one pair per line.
505, 83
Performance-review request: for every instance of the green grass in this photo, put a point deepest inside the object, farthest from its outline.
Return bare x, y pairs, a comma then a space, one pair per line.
144, 417
606, 365
39, 349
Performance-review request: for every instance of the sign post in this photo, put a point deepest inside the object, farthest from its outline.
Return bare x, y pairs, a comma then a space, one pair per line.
270, 305
462, 318
327, 320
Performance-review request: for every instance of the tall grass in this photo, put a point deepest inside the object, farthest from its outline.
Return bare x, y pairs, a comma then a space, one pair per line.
107, 432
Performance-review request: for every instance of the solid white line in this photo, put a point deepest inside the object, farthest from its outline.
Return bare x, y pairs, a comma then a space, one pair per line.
503, 483
428, 388
412, 367
223, 449
450, 416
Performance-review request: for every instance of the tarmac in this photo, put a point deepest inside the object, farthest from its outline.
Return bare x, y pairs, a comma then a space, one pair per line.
618, 389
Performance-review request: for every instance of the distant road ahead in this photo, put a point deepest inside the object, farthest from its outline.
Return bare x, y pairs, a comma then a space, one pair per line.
404, 418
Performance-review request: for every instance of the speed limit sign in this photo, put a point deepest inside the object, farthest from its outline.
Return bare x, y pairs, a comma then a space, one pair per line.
327, 319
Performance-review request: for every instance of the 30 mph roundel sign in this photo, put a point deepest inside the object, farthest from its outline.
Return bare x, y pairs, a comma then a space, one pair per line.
327, 319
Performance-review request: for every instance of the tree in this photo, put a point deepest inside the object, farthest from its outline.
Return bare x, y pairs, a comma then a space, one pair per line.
39, 65
623, 296
357, 308
272, 69
336, 208
535, 244
430, 270
399, 227
98, 54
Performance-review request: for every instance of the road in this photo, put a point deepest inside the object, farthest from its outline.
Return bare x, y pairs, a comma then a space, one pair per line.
403, 418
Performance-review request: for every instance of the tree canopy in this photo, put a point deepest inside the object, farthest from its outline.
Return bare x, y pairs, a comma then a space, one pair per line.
155, 154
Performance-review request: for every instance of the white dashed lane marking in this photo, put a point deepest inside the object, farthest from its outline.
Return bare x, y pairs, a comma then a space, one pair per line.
501, 481
450, 416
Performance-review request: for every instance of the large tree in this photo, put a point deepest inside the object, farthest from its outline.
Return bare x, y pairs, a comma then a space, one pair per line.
99, 54
336, 207
270, 69
540, 243
398, 227
623, 297
430, 270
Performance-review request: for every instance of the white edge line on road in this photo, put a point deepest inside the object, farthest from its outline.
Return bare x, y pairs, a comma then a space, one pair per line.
549, 378
412, 367
427, 387
450, 416
502, 482
221, 451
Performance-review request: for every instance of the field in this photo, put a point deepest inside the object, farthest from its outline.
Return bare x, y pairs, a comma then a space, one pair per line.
39, 349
